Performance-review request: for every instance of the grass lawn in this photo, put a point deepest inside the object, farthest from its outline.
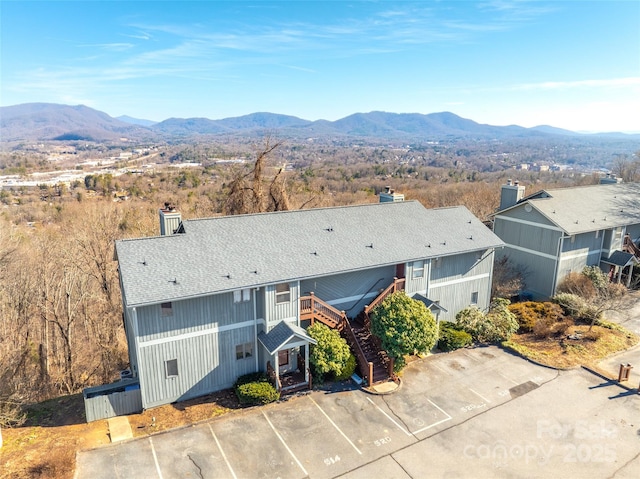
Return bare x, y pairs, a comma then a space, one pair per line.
575, 347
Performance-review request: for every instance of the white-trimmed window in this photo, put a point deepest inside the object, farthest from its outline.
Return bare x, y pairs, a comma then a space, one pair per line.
474, 297
283, 293
244, 351
166, 309
242, 295
418, 269
171, 368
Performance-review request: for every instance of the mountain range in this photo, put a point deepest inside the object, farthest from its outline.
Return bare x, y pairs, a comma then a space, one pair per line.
48, 121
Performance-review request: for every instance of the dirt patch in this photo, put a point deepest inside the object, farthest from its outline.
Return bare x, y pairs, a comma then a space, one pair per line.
45, 447
577, 347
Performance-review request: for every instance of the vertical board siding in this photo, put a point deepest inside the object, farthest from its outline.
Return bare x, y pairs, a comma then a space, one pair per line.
192, 315
527, 236
538, 271
522, 214
584, 242
416, 285
634, 231
459, 266
206, 363
350, 292
112, 405
464, 269
277, 312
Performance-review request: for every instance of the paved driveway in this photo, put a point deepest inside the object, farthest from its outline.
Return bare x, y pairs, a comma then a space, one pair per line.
450, 419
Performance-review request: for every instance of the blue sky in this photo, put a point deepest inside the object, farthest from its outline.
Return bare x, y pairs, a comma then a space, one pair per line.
570, 64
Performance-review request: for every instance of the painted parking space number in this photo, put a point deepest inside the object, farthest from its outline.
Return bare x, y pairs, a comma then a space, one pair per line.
381, 441
330, 461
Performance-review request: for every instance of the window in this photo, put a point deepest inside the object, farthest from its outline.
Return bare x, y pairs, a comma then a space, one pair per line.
418, 269
167, 309
283, 357
283, 294
171, 368
242, 295
244, 351
474, 297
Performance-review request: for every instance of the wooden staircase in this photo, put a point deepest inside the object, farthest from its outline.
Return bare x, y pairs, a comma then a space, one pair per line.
630, 247
379, 367
374, 363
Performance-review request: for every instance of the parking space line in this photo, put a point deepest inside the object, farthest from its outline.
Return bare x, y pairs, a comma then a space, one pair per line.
155, 458
335, 425
224, 456
448, 418
470, 356
389, 417
434, 363
285, 444
509, 379
479, 395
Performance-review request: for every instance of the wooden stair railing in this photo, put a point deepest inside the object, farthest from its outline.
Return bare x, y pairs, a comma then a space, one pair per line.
630, 246
397, 285
366, 367
313, 308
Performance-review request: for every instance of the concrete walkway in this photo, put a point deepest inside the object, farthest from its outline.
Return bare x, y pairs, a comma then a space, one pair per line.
628, 317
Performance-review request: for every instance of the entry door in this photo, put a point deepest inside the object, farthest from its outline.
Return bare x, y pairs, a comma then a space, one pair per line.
400, 271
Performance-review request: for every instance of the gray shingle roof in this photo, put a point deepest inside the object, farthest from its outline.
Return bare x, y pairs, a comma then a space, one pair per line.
620, 258
232, 252
281, 334
590, 208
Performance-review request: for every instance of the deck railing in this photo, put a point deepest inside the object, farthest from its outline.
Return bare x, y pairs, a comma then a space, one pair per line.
630, 246
366, 367
313, 308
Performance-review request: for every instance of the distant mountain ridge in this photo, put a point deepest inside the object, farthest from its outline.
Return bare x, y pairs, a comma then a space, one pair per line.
48, 121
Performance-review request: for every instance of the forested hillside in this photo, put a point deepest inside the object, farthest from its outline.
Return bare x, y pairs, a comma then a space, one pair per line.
61, 323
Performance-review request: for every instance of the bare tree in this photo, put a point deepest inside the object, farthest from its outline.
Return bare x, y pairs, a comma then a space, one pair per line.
508, 278
249, 193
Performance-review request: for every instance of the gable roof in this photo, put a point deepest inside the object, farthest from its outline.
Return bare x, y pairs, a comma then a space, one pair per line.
227, 253
281, 334
587, 208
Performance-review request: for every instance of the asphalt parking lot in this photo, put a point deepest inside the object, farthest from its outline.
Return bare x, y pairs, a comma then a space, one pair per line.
450, 408
325, 434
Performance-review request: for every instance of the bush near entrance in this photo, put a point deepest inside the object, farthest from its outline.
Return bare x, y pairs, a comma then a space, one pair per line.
451, 338
330, 355
404, 326
496, 325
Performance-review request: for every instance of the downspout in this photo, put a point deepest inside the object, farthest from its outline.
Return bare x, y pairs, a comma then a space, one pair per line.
557, 268
255, 329
134, 321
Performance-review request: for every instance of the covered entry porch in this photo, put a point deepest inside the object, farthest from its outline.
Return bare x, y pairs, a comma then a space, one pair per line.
287, 347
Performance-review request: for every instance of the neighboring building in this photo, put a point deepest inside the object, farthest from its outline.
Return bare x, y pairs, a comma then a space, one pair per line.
554, 232
213, 299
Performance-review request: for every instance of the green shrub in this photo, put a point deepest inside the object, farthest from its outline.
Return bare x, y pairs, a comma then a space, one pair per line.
572, 304
497, 325
451, 338
259, 392
257, 377
530, 313
404, 326
348, 369
330, 354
